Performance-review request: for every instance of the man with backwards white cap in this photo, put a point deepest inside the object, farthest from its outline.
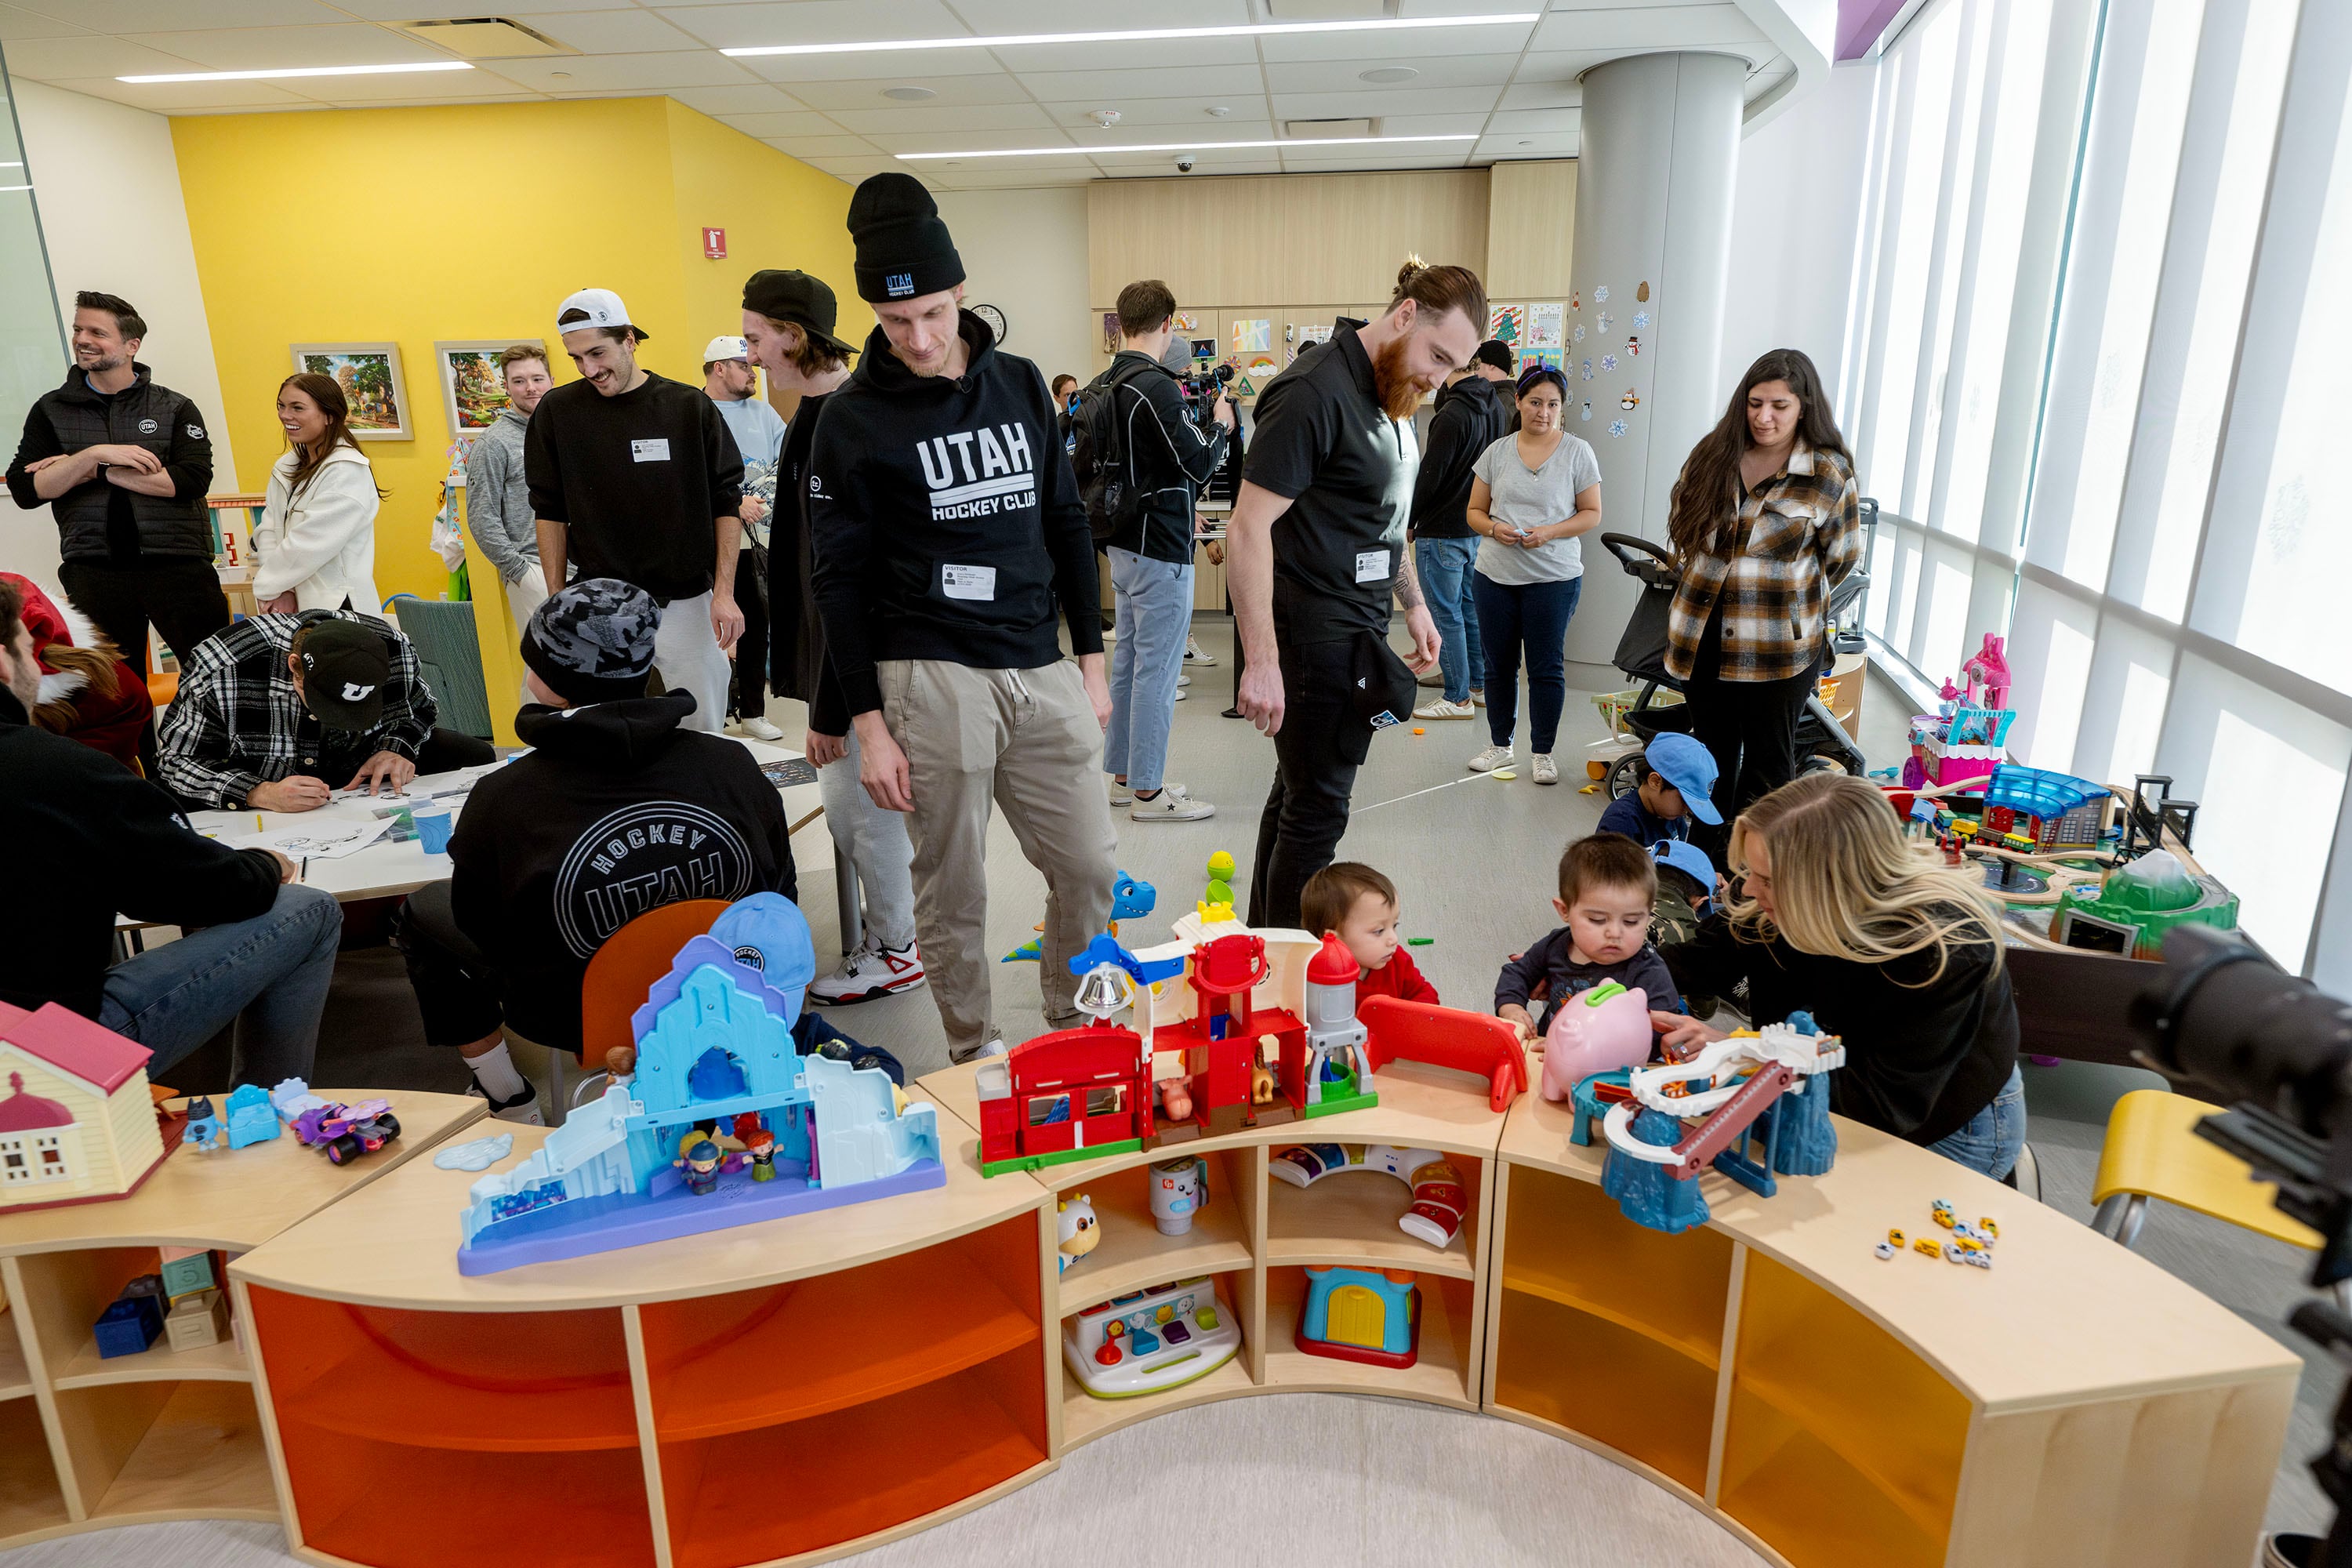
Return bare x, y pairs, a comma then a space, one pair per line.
635, 475
759, 430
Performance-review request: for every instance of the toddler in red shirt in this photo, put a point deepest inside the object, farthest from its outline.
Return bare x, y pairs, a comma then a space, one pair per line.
1351, 900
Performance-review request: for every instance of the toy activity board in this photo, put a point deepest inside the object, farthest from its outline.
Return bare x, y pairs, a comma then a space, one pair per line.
1152, 1340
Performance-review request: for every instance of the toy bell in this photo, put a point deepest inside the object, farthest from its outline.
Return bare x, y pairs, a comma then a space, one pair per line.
1106, 990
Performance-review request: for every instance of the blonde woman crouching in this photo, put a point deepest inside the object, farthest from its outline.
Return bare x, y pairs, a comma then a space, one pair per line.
1840, 915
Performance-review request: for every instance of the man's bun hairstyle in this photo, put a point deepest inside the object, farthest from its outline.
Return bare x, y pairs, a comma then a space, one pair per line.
1437, 289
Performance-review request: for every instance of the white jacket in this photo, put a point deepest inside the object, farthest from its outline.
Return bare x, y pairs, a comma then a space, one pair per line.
321, 544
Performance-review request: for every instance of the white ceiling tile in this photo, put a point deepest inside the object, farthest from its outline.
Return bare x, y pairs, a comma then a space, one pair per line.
1149, 172
1645, 28
1216, 159
1431, 124
1343, 105
1171, 55
957, 141
55, 59
854, 169
507, 93
898, 65
815, 22
821, 146
425, 86
1309, 163
1549, 81
610, 32
187, 97
1436, 71
1474, 8
1057, 86
1200, 135
948, 90
997, 17
1556, 146
745, 97
1403, 44
143, 15
408, 10
1158, 113
16, 23
650, 73
1008, 180
1534, 121
790, 122
274, 49
921, 117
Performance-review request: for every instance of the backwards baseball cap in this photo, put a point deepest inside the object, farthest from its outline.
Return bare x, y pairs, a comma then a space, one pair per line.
593, 641
724, 348
768, 932
787, 296
1496, 353
903, 248
1683, 762
595, 308
1689, 859
344, 666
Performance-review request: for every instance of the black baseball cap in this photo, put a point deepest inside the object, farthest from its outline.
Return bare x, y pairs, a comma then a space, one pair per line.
344, 667
797, 298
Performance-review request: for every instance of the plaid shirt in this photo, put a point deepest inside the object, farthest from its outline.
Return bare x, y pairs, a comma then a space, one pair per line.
1796, 535
236, 722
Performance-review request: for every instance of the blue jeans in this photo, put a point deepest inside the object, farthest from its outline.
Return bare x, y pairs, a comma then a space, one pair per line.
270, 974
1445, 582
1154, 617
1530, 618
1994, 1136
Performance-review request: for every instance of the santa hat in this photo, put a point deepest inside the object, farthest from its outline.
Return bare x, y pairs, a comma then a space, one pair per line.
56, 627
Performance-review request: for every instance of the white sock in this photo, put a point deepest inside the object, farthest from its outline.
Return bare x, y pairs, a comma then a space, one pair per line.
494, 1069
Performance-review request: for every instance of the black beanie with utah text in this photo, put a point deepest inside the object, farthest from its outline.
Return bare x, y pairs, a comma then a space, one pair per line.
903, 248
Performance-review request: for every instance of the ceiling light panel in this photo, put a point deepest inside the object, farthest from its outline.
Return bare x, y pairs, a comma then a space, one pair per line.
1252, 30
1179, 147
288, 72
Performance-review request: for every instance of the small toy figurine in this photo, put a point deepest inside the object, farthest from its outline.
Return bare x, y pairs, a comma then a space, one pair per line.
1596, 1031
1079, 1231
1993, 1231
204, 1128
620, 1063
1927, 1245
1954, 1252
250, 1119
1217, 901
1884, 1249
1178, 1188
1943, 1212
761, 1146
1894, 1237
1176, 1100
701, 1164
1977, 1259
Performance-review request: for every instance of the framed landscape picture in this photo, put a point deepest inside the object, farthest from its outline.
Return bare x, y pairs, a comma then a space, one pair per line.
472, 391
369, 375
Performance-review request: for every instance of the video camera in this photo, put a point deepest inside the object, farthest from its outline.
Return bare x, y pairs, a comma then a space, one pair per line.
1201, 386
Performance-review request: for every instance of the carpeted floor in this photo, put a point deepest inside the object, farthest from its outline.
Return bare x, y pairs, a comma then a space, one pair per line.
1474, 859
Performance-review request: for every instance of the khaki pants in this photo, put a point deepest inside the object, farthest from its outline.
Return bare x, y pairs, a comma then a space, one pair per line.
1027, 740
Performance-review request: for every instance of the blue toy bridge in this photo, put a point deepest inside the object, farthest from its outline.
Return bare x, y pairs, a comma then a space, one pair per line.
2037, 793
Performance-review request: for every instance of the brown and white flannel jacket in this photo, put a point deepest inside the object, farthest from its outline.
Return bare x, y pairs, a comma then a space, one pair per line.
1798, 534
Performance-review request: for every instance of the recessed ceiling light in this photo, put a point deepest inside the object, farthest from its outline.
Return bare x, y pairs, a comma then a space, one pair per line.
1388, 73
560, 76
909, 94
298, 71
1182, 147
1139, 34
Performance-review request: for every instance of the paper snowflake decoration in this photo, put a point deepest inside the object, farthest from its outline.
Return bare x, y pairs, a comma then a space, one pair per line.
1600, 295
1608, 362
1617, 427
1641, 320
1578, 336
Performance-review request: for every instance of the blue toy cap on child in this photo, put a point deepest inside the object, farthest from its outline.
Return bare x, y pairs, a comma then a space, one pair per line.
768, 931
1689, 858
1683, 762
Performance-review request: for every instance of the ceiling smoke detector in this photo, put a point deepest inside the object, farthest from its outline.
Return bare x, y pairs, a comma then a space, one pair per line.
485, 38
1218, 111
1388, 74
909, 94
1106, 118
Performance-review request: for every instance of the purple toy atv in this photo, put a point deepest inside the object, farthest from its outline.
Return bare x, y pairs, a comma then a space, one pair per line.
348, 1131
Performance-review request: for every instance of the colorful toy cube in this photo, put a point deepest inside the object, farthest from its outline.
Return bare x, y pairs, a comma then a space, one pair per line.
132, 1324
186, 1273
197, 1320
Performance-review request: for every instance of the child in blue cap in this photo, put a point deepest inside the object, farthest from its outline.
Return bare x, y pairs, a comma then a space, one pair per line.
1684, 896
1677, 782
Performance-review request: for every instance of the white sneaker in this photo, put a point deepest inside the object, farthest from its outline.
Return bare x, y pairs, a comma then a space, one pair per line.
1183, 680
1487, 760
1547, 771
1171, 804
993, 1047
1120, 795
760, 729
1181, 694
1442, 709
871, 971
523, 1109
1477, 697
1192, 654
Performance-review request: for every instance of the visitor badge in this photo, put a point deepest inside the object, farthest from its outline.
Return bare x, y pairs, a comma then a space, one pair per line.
654, 451
1371, 565
968, 581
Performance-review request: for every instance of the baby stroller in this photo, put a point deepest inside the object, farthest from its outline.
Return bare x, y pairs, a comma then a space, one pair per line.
1821, 741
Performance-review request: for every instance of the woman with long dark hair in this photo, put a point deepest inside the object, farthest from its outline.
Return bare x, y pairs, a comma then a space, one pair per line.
316, 539
1763, 525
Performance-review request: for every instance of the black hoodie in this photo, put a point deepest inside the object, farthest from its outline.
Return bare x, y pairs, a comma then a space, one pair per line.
1471, 417
616, 811
946, 521
87, 837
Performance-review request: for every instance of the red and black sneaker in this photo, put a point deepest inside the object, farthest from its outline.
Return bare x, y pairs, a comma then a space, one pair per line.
873, 971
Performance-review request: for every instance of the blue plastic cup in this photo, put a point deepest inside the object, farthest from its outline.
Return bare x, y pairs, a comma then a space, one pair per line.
434, 826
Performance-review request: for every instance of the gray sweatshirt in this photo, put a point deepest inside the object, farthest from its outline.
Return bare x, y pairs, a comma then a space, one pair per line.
498, 503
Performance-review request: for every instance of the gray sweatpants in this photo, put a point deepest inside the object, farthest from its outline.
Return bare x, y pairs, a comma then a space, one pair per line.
1027, 740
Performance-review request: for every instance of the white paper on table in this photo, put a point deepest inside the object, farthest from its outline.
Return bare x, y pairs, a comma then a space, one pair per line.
327, 839
443, 786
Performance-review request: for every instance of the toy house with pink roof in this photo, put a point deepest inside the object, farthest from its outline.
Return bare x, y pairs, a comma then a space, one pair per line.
77, 1121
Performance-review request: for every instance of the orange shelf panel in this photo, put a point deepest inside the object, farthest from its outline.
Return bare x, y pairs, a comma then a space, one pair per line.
29, 1496
841, 1476
1568, 1241
1643, 1397
394, 1506
495, 1382
1811, 1505
800, 1351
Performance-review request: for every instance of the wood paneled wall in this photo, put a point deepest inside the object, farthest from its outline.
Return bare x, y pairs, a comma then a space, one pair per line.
1530, 230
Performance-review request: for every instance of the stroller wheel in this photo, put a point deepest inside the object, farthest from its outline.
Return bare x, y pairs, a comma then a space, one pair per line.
1623, 778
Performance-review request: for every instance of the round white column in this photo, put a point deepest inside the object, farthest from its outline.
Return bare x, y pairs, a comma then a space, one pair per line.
1654, 194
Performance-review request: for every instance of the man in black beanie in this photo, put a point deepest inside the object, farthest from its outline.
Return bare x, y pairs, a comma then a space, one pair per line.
616, 810
948, 533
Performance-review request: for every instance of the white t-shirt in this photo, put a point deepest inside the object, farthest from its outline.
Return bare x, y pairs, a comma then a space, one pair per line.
1526, 498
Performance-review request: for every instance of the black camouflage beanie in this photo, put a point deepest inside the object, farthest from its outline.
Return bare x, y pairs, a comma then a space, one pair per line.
903, 248
594, 642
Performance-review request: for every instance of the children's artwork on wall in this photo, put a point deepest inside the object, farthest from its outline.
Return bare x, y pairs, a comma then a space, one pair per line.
1641, 320
1642, 293
473, 392
369, 375
1509, 324
1253, 334
1600, 295
1185, 322
1548, 358
1544, 321
1260, 370
1110, 331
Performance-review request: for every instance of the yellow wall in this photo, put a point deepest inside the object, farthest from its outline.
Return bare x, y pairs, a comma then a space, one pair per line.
475, 221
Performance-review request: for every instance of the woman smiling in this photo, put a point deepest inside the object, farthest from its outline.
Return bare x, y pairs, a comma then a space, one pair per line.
316, 539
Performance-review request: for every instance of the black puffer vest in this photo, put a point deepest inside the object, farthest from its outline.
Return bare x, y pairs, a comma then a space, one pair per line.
146, 415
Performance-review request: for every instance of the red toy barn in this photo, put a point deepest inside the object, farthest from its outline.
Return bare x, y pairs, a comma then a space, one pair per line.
1073, 1089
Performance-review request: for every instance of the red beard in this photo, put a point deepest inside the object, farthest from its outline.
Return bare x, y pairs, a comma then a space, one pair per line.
1399, 394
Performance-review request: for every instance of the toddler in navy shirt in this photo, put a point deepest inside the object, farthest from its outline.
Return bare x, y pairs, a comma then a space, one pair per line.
1606, 885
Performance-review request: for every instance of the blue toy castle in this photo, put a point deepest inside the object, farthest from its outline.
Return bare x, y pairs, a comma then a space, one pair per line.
715, 1052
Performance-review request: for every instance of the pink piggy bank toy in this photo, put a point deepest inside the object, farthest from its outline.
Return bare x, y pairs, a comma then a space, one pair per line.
1595, 1031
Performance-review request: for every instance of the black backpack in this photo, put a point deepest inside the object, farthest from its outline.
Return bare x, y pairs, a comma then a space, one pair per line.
1105, 468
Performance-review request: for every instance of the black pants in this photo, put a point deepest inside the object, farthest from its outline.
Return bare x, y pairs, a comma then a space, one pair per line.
1322, 741
443, 751
1750, 729
749, 688
456, 987
181, 595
